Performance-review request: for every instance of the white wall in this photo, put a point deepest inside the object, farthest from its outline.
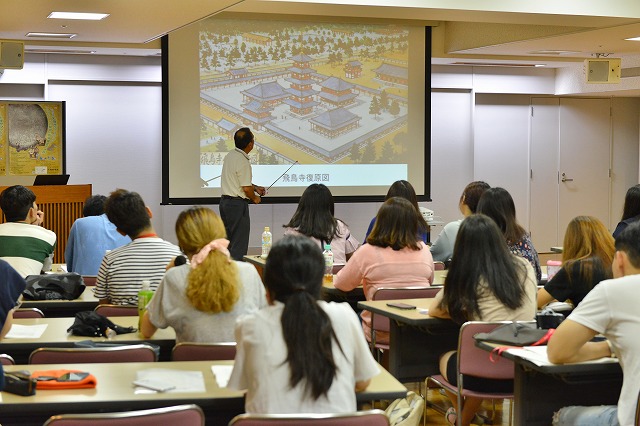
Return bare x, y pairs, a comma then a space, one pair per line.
480, 131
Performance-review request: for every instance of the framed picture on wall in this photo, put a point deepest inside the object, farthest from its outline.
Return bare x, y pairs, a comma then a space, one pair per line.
32, 138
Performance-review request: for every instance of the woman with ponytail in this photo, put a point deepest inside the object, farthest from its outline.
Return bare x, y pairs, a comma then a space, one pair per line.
203, 299
300, 354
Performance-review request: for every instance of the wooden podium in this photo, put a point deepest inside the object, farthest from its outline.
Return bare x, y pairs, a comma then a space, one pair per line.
62, 205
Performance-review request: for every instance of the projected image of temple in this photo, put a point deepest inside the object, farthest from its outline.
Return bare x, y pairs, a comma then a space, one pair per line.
317, 93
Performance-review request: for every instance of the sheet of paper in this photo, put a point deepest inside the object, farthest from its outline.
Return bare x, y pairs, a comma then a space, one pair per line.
222, 373
538, 355
19, 331
183, 380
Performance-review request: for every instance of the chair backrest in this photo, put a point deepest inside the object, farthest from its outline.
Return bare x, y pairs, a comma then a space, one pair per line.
28, 313
6, 359
360, 418
380, 322
475, 361
183, 415
438, 265
89, 280
125, 353
188, 351
116, 310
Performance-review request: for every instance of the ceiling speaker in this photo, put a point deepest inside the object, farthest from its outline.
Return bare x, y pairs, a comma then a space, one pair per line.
11, 54
602, 70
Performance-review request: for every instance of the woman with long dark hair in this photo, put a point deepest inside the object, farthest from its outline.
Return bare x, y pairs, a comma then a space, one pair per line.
485, 282
394, 256
404, 189
315, 219
587, 256
631, 211
300, 354
499, 206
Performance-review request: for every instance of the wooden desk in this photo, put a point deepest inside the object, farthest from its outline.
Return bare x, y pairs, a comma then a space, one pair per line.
539, 391
65, 308
115, 392
56, 336
416, 340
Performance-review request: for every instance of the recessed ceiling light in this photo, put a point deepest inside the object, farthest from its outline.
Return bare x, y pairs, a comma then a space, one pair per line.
633, 39
78, 15
51, 35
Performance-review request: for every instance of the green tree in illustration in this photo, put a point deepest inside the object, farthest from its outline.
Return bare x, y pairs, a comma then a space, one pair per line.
394, 109
221, 146
388, 153
374, 108
369, 154
354, 156
384, 100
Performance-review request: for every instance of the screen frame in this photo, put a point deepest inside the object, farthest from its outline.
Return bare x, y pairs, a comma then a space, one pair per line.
168, 200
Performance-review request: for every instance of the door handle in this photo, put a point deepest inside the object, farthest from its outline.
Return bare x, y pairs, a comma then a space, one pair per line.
565, 178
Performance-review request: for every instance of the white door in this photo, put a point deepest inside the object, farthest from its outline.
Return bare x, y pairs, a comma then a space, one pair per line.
570, 162
585, 159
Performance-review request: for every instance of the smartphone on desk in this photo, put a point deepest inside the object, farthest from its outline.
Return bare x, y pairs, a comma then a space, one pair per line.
72, 377
401, 306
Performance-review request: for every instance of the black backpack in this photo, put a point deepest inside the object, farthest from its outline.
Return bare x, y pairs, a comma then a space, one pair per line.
91, 323
67, 286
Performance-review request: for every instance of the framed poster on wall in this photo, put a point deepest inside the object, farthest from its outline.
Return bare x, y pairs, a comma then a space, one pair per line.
32, 138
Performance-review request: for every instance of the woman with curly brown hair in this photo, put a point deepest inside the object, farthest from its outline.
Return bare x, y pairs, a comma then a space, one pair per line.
202, 300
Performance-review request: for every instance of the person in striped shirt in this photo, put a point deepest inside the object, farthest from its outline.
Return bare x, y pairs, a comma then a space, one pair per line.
144, 259
24, 243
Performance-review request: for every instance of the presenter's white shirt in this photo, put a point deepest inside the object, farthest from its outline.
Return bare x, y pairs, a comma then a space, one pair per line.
236, 173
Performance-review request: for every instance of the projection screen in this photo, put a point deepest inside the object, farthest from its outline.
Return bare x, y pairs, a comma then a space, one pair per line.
342, 104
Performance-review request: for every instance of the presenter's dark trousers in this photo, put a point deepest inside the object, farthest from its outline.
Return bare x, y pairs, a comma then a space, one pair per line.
234, 212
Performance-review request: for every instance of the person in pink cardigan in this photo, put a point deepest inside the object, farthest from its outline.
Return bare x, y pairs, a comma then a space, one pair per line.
394, 256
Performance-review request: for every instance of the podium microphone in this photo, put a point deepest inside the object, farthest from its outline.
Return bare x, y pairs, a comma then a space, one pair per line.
285, 172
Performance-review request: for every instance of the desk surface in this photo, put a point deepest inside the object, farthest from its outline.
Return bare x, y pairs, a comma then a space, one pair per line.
407, 316
115, 390
86, 302
56, 332
56, 335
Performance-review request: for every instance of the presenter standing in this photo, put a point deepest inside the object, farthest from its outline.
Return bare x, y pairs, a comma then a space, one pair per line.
238, 192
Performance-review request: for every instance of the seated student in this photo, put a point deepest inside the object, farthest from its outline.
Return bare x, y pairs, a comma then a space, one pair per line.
611, 309
11, 287
631, 211
202, 301
442, 248
485, 282
90, 238
499, 206
314, 218
586, 260
300, 354
24, 243
145, 258
394, 256
403, 189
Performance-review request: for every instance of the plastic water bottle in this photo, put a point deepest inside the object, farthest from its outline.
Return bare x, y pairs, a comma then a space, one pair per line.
144, 297
266, 242
328, 264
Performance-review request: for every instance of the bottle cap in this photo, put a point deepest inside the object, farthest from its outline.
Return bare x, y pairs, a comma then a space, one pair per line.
266, 229
327, 246
146, 285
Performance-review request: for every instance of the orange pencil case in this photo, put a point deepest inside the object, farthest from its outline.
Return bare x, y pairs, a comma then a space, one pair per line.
50, 380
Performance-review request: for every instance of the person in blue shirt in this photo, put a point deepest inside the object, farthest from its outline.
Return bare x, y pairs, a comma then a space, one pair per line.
90, 238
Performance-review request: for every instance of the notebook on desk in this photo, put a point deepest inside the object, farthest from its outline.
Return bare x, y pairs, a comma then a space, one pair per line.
51, 180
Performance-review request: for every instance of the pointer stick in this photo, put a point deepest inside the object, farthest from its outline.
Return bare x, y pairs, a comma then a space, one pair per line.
285, 172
